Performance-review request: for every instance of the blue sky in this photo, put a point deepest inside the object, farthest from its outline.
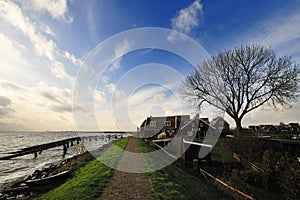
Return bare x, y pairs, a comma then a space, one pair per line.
45, 45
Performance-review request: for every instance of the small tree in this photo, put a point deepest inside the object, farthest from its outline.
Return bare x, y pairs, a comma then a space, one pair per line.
240, 80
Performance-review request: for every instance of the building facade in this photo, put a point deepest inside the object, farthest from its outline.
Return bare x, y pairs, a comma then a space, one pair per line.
152, 126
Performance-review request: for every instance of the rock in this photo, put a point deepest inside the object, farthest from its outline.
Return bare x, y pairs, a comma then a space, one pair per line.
52, 168
44, 175
29, 177
20, 197
22, 184
4, 196
36, 173
10, 197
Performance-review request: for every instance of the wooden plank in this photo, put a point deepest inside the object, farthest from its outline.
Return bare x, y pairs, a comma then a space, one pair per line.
246, 163
227, 185
198, 144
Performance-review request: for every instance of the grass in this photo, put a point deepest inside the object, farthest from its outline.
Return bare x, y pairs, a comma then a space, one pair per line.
90, 180
174, 183
221, 153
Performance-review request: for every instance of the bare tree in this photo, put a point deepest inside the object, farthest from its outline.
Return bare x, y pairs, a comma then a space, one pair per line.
240, 80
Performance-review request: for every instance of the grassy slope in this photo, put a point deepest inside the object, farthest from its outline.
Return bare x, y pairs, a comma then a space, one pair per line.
173, 183
90, 180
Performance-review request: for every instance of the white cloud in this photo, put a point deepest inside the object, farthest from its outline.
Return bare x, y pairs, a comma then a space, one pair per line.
187, 18
100, 97
29, 55
49, 31
120, 50
279, 30
43, 107
4, 101
72, 58
59, 71
11, 51
12, 13
10, 86
115, 65
56, 8
115, 92
55, 94
159, 98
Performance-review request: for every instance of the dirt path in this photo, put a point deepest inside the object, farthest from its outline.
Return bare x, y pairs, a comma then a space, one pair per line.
126, 185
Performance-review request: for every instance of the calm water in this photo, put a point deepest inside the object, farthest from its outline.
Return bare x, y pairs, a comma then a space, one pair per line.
13, 169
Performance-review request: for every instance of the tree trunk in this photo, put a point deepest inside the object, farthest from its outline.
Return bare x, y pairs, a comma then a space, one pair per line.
238, 127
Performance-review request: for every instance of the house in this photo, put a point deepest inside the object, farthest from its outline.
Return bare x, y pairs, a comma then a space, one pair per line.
267, 128
197, 127
152, 126
281, 128
254, 128
220, 125
294, 127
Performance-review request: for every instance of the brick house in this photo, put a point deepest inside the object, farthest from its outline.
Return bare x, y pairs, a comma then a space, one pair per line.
152, 126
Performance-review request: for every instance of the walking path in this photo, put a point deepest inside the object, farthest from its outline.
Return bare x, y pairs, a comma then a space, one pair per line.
126, 185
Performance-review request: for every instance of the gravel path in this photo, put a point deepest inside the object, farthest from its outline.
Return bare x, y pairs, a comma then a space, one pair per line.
126, 185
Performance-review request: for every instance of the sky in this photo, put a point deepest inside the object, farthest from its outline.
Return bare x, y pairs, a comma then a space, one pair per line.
104, 65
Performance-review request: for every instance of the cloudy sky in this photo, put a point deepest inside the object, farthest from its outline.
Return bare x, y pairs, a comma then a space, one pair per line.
47, 49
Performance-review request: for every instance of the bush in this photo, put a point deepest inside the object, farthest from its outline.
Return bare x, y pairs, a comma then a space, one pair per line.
250, 148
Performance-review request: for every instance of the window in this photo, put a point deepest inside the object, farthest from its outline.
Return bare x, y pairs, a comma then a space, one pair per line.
167, 123
153, 123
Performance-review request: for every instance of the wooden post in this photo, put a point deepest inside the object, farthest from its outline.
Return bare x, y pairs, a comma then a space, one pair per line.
196, 164
64, 150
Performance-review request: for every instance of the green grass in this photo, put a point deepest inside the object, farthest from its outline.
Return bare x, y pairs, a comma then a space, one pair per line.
174, 183
221, 153
90, 180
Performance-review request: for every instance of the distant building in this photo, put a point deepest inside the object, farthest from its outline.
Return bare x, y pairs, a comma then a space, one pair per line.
281, 128
254, 128
294, 127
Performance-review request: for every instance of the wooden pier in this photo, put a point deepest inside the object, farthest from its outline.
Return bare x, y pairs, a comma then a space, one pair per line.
66, 143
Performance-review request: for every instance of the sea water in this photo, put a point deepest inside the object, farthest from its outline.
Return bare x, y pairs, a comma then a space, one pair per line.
16, 168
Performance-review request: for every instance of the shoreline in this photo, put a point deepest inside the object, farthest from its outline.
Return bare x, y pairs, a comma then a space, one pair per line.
18, 189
